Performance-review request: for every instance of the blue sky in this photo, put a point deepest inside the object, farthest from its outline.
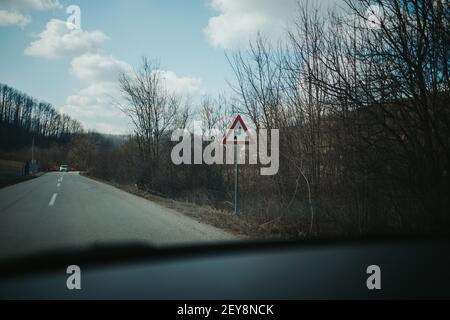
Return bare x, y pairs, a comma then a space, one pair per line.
77, 72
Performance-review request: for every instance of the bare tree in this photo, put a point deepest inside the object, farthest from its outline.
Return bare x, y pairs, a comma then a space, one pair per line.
387, 63
152, 108
259, 85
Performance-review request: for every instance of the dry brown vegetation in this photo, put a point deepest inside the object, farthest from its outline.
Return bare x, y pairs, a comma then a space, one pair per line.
244, 226
362, 105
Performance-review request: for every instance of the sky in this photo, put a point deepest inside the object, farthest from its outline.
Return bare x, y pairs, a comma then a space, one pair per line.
76, 69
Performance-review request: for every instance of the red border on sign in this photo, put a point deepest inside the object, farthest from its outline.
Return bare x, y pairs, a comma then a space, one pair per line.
237, 120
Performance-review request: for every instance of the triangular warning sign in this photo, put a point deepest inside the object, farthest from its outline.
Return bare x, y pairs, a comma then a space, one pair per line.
238, 133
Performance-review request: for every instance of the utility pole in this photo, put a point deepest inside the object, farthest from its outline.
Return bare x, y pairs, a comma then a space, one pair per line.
32, 167
32, 150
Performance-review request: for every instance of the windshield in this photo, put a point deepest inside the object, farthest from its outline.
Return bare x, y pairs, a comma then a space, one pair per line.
239, 122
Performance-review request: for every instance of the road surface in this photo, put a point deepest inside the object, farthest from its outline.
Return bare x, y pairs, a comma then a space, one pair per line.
67, 210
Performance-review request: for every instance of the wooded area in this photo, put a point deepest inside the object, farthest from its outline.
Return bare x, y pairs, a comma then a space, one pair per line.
23, 118
361, 99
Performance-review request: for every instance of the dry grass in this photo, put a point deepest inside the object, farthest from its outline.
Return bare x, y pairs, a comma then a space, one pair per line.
283, 227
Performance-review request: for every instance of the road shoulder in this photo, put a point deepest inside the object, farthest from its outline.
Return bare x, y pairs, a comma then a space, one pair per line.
221, 219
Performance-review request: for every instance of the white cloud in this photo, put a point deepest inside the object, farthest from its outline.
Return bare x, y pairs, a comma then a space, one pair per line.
374, 17
39, 5
8, 18
181, 85
59, 40
239, 21
94, 107
11, 11
98, 67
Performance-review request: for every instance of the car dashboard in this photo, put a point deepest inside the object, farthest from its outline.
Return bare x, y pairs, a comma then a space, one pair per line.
253, 270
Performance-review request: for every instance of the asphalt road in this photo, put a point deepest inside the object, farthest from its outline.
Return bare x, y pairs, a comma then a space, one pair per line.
67, 210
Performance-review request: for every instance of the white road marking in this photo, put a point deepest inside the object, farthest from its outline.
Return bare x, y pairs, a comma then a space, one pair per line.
52, 200
58, 185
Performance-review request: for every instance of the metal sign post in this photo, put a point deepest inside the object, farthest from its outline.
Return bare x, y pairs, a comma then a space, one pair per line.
236, 179
241, 137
